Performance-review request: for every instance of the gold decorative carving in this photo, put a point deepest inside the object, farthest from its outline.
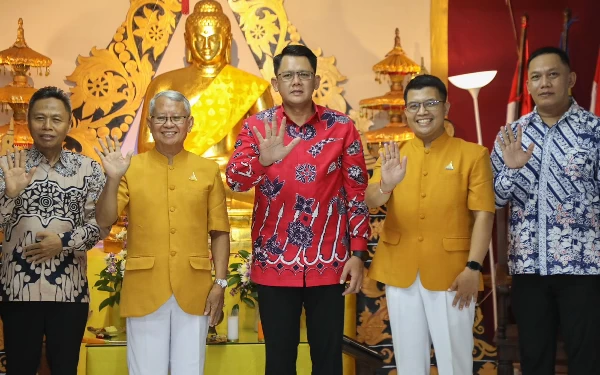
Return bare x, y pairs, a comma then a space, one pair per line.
488, 369
110, 84
482, 350
373, 324
268, 30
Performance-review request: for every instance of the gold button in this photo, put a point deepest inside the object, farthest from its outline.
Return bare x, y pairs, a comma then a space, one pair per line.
172, 187
420, 239
427, 151
172, 230
422, 216
423, 195
425, 173
173, 253
171, 167
172, 209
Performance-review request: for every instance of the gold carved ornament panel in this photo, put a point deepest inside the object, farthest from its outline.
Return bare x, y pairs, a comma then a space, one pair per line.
109, 85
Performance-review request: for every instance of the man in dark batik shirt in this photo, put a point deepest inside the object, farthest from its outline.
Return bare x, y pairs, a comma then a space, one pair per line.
47, 208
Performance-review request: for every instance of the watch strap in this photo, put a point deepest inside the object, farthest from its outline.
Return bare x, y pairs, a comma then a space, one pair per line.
475, 266
363, 255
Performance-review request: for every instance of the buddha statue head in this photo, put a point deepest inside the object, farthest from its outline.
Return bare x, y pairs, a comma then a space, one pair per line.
208, 35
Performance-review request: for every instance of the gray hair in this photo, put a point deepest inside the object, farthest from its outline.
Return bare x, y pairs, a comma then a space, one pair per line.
175, 96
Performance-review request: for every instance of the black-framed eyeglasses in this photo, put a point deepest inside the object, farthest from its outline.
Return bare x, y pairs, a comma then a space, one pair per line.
303, 75
428, 105
161, 120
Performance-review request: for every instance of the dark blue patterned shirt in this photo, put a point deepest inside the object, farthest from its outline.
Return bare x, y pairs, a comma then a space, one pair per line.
554, 224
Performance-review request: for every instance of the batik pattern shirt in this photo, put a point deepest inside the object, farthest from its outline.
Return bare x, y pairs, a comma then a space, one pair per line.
60, 199
309, 209
554, 225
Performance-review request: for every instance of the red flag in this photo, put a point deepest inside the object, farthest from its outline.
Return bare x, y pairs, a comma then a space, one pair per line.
185, 6
526, 103
595, 103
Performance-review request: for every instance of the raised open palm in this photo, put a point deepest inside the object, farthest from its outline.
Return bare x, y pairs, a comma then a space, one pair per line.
271, 145
114, 163
512, 151
393, 169
15, 176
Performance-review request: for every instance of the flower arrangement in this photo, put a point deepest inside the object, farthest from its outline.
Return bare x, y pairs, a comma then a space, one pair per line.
111, 277
239, 279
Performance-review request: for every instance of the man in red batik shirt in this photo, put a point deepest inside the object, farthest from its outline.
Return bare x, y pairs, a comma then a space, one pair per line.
311, 224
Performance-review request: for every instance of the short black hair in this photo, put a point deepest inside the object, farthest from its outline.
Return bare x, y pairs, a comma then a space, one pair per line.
47, 93
426, 80
295, 50
550, 51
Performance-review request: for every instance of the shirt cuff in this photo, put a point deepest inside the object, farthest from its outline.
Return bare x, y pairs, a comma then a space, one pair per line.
358, 244
507, 176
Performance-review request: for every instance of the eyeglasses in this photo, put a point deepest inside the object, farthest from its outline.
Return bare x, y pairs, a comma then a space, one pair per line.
428, 105
303, 75
161, 120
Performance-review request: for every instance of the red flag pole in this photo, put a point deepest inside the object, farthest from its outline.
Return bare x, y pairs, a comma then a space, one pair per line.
522, 63
512, 21
565, 34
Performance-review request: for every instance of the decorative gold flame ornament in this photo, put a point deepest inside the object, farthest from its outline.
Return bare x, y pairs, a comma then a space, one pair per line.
16, 95
393, 69
268, 30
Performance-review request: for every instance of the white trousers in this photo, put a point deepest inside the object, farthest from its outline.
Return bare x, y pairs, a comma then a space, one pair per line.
167, 339
419, 316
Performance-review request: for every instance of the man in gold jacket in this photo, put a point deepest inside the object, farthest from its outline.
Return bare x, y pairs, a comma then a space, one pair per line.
174, 200
440, 209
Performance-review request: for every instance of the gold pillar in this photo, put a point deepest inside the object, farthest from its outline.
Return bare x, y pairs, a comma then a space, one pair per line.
350, 331
439, 39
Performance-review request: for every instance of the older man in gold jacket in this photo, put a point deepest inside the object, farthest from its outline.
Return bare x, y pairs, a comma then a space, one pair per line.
440, 212
174, 200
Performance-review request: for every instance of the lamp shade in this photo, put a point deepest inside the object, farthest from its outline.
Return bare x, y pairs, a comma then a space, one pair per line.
473, 80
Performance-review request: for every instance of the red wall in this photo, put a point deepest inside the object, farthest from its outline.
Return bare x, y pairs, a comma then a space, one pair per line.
480, 37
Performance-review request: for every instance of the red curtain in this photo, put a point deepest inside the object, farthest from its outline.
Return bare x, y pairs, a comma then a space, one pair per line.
480, 37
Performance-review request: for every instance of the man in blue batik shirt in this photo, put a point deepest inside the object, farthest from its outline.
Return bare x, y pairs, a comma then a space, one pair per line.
546, 167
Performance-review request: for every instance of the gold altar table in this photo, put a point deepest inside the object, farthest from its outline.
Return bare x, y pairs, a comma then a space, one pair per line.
247, 356
221, 359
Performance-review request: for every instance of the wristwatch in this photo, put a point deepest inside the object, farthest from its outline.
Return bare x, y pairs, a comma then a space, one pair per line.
473, 265
363, 255
221, 282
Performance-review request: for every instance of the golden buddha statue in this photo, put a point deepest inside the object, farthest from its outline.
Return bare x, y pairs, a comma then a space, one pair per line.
221, 97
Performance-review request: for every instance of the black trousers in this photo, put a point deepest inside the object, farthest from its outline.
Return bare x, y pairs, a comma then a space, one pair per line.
542, 304
280, 310
26, 324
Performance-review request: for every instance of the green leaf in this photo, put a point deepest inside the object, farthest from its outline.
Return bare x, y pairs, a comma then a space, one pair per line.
248, 302
244, 254
117, 298
106, 288
234, 280
103, 304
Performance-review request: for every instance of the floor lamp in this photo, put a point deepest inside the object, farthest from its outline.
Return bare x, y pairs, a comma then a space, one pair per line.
473, 82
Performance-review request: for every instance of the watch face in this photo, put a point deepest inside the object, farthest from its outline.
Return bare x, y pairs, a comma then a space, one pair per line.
474, 266
221, 283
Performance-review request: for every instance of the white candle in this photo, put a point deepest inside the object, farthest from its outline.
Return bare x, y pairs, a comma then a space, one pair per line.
232, 328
